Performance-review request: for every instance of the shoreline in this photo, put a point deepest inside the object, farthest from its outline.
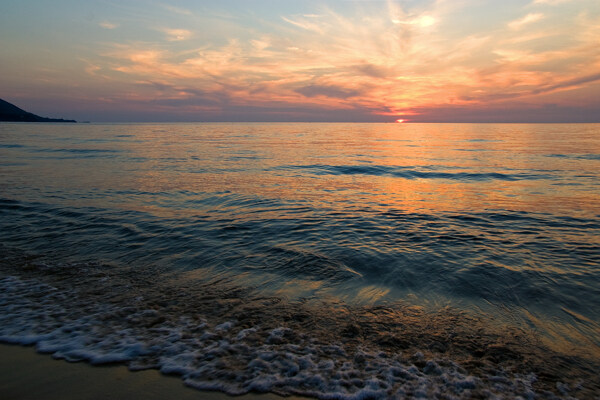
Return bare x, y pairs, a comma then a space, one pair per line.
27, 374
216, 335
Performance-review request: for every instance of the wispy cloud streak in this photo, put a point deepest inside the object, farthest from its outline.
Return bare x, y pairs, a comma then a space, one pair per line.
368, 58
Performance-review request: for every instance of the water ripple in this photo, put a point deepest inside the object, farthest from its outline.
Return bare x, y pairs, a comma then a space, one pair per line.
409, 172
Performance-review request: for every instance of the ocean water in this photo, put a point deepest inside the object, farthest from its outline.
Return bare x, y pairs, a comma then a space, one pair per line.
326, 260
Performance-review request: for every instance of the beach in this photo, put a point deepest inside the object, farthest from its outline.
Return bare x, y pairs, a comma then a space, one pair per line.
218, 336
25, 374
327, 200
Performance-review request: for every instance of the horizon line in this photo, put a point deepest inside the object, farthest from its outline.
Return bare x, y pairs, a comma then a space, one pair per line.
310, 122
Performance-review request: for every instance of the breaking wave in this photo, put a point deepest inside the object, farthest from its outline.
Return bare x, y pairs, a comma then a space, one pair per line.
219, 336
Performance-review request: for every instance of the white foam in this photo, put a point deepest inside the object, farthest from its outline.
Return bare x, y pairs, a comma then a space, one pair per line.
225, 357
244, 332
225, 326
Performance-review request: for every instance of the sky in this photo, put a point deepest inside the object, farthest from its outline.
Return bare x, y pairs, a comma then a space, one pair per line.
333, 61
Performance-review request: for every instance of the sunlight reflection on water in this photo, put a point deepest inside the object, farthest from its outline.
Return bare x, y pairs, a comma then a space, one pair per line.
503, 219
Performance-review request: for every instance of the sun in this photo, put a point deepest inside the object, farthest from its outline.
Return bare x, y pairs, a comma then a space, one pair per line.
399, 121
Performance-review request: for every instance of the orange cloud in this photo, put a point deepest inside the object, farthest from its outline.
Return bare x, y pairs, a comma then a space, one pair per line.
389, 61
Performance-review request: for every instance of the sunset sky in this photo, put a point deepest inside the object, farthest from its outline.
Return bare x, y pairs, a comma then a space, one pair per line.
246, 60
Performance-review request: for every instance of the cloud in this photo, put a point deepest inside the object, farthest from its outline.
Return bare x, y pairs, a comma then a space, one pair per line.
508, 112
550, 2
108, 25
304, 24
177, 34
363, 61
327, 91
422, 21
177, 10
92, 69
569, 83
528, 19
374, 71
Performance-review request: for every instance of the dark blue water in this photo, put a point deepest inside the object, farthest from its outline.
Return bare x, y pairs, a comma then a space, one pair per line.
498, 221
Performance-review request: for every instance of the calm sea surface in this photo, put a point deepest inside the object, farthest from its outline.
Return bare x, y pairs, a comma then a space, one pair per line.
495, 222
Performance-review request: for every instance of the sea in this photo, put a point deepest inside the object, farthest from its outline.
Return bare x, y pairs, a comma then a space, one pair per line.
333, 261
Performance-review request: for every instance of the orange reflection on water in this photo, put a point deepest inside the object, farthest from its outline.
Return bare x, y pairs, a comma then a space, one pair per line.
406, 166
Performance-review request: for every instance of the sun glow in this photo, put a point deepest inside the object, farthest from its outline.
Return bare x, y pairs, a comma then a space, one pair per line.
399, 121
428, 61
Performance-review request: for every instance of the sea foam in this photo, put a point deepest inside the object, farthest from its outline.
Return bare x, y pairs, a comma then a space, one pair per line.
237, 355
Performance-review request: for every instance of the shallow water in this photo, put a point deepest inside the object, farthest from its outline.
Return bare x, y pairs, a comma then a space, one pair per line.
495, 223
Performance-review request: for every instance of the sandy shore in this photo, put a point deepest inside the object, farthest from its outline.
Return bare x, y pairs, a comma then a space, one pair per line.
25, 375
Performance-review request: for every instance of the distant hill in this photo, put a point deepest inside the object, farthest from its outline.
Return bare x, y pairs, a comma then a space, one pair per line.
11, 113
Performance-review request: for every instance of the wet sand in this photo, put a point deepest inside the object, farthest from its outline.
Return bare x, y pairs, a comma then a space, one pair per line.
25, 375
218, 335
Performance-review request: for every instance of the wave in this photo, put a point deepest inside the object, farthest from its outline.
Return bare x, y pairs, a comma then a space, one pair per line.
410, 172
444, 256
220, 336
576, 156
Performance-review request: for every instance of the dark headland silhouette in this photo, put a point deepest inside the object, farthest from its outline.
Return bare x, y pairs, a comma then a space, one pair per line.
11, 113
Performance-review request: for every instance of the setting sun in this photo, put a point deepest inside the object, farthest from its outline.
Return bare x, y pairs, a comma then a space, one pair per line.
399, 121
358, 61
